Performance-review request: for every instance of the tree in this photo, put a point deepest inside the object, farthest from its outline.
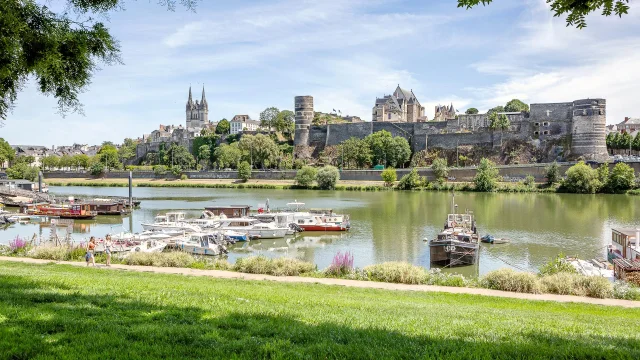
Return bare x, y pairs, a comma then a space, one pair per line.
23, 171
97, 169
29, 159
401, 152
306, 176
356, 152
603, 174
6, 151
179, 155
159, 170
624, 141
582, 179
285, 123
622, 178
553, 173
440, 169
223, 127
269, 117
499, 121
516, 105
389, 176
487, 176
471, 111
65, 162
575, 10
227, 156
108, 156
609, 140
244, 171
81, 160
128, 150
497, 109
204, 154
50, 162
61, 50
327, 177
636, 142
387, 150
258, 149
411, 181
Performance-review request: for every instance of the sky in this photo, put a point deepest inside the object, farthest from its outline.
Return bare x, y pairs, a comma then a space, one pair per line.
250, 55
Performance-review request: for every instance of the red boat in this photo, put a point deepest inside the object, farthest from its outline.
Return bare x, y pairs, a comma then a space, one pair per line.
77, 211
323, 222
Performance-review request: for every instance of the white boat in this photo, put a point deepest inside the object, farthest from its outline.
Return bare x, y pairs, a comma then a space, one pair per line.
202, 244
254, 227
149, 246
171, 223
282, 219
317, 219
207, 221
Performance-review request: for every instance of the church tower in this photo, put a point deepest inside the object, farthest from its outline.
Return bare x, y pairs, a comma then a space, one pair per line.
197, 113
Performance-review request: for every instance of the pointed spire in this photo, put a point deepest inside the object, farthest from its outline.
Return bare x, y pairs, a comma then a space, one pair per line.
203, 101
190, 101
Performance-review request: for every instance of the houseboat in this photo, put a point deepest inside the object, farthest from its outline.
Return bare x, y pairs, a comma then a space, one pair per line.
75, 211
231, 211
316, 219
457, 244
108, 207
254, 227
624, 245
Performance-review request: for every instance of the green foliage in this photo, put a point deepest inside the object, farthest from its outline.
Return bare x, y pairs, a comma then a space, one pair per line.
356, 153
128, 150
209, 140
516, 105
603, 174
176, 170
636, 142
23, 171
160, 170
557, 265
529, 181
487, 176
96, 169
223, 127
582, 179
471, 111
440, 169
6, 151
50, 162
575, 10
411, 181
276, 267
204, 154
622, 177
498, 121
227, 156
268, 118
178, 155
259, 150
389, 176
306, 176
169, 259
108, 156
387, 150
553, 173
497, 109
327, 177
285, 123
244, 171
509, 280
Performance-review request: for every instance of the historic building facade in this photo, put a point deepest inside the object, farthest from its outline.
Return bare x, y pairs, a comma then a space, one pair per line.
401, 106
197, 113
444, 113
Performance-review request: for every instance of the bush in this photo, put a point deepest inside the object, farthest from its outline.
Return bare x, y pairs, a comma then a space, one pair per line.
169, 259
96, 169
509, 280
183, 177
396, 272
557, 265
18, 246
57, 253
562, 283
411, 181
440, 170
389, 176
327, 177
342, 264
306, 176
277, 267
176, 170
582, 179
160, 170
625, 291
553, 173
211, 264
622, 178
595, 286
486, 178
244, 171
530, 181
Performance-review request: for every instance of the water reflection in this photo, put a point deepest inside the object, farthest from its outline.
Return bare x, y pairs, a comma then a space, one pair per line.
390, 226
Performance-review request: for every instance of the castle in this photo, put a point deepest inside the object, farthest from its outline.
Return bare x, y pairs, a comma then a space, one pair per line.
401, 106
574, 129
197, 113
444, 113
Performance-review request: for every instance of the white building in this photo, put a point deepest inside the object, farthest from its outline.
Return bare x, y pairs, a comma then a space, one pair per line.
240, 123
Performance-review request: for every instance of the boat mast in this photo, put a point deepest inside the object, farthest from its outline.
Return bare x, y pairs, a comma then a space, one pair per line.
453, 202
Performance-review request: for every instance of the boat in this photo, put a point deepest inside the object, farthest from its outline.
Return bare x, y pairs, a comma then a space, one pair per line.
489, 239
207, 220
149, 246
457, 244
171, 223
75, 211
108, 207
254, 227
313, 219
202, 244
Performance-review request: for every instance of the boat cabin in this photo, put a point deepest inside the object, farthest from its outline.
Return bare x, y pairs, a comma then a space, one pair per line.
459, 221
625, 244
239, 222
107, 207
231, 211
171, 217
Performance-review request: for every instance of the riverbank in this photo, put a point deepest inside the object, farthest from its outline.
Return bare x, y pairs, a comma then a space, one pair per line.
63, 311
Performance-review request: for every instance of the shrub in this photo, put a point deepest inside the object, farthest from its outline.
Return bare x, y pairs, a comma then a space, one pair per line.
327, 177
389, 176
183, 177
96, 169
411, 181
440, 170
396, 272
159, 170
603, 174
306, 176
562, 283
553, 173
596, 286
529, 181
176, 170
486, 178
437, 277
582, 179
18, 246
509, 280
57, 253
244, 171
622, 178
557, 265
625, 291
277, 267
342, 264
169, 259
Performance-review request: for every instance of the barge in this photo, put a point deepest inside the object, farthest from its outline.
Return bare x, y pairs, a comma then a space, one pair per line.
457, 244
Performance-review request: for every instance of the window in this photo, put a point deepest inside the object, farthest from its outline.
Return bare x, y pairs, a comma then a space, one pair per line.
536, 124
389, 115
546, 132
536, 133
546, 123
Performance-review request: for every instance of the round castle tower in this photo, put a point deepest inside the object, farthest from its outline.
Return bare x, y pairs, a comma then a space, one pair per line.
303, 108
588, 129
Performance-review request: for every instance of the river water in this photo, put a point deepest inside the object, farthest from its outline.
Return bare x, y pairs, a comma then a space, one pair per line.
389, 225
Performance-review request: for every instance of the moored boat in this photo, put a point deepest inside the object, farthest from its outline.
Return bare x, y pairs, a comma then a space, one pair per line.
254, 227
457, 244
202, 244
75, 211
171, 223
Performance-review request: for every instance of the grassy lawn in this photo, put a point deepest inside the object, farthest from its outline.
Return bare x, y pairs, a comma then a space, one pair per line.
58, 311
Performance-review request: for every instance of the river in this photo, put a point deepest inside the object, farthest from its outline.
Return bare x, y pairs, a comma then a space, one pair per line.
389, 225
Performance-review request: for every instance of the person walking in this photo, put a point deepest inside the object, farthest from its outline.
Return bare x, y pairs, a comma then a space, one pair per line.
108, 244
91, 247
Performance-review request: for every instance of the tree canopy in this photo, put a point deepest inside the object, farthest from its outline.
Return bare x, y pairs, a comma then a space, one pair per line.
575, 10
6, 151
516, 105
223, 127
471, 111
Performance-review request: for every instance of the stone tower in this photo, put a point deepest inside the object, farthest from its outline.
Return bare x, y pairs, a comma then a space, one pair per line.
588, 129
197, 113
303, 108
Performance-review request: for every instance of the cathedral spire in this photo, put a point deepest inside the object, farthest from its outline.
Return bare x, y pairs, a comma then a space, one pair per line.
203, 101
190, 101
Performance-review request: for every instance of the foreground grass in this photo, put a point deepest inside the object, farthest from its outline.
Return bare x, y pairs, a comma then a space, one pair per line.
57, 311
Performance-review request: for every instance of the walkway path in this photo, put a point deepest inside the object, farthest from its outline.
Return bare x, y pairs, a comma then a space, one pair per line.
351, 283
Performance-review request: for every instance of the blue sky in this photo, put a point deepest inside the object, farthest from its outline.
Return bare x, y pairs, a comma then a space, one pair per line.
254, 54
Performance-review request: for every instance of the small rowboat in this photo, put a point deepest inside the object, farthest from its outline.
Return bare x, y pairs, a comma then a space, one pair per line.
489, 239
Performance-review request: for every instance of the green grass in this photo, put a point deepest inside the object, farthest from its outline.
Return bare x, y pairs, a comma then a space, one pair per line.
61, 311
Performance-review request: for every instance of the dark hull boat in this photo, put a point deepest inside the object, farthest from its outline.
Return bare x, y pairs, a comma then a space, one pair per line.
457, 244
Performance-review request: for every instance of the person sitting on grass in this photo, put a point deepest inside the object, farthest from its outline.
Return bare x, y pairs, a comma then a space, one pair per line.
108, 244
91, 247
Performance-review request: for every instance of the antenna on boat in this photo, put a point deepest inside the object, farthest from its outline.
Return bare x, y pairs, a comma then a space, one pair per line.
453, 202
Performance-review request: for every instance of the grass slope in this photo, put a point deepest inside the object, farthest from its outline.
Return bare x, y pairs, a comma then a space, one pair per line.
57, 311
